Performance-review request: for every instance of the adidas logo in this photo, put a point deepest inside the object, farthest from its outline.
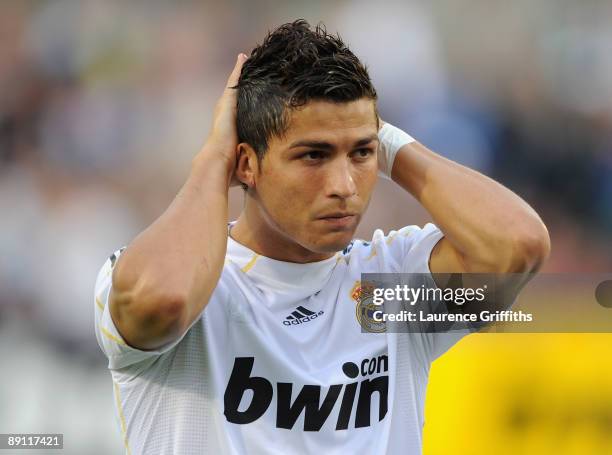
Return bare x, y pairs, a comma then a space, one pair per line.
301, 315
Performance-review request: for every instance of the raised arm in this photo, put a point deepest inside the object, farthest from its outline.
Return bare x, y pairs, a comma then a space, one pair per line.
487, 228
163, 280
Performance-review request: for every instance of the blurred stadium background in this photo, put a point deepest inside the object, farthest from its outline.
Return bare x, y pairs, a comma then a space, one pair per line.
104, 103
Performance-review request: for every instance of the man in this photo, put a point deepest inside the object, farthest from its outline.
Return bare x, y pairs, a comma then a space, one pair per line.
241, 337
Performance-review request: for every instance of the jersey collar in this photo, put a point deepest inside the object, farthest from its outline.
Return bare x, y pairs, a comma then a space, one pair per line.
285, 281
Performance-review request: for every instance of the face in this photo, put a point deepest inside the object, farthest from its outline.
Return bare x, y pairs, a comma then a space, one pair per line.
315, 182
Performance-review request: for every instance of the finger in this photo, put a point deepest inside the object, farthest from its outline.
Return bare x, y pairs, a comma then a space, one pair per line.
232, 81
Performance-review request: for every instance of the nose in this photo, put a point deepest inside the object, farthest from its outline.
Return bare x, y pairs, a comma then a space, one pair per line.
340, 181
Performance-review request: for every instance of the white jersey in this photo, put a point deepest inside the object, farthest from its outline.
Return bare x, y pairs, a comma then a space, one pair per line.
278, 362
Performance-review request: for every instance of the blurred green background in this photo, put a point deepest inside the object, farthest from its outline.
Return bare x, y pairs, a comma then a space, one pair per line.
103, 104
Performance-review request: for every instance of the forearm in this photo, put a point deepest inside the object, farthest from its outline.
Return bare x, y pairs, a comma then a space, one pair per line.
491, 228
165, 277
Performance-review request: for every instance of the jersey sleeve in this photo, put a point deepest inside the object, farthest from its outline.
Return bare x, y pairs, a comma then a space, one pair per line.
415, 246
119, 353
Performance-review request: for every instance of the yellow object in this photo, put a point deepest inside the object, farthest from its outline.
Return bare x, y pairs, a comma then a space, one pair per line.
521, 394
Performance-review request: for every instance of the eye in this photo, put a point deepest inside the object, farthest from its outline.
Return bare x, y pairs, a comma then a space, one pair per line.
313, 155
363, 154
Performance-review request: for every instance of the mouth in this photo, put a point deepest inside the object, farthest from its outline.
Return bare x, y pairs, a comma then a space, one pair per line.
340, 220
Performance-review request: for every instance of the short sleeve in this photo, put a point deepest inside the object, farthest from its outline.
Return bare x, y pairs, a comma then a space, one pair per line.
118, 352
416, 245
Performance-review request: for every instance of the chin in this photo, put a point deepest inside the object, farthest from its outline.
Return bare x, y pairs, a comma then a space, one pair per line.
333, 243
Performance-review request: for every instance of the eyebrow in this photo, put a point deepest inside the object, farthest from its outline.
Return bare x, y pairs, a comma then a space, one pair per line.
329, 146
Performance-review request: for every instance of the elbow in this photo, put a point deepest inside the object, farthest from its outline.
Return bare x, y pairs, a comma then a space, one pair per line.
530, 248
150, 320
147, 316
160, 318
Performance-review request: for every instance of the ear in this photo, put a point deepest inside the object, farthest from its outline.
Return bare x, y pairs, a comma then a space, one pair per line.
247, 166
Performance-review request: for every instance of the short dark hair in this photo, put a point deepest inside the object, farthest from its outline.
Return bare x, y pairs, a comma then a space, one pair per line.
294, 65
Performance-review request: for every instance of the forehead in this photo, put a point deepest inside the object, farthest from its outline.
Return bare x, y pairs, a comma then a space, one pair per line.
324, 120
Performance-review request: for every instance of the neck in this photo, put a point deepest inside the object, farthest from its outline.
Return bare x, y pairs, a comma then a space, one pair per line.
258, 233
